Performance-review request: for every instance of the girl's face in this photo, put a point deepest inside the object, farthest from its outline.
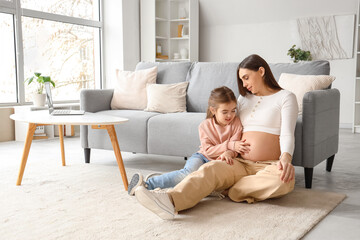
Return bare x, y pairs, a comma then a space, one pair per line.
224, 113
252, 80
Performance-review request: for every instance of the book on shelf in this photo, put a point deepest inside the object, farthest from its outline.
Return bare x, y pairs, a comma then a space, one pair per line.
163, 56
68, 131
36, 137
40, 130
39, 134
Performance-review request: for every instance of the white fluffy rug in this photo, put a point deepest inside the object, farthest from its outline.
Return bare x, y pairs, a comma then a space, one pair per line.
88, 201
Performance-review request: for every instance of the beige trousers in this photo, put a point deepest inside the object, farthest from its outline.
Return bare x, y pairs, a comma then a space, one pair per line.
246, 181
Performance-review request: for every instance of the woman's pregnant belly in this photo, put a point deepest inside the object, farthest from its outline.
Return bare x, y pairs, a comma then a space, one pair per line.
263, 146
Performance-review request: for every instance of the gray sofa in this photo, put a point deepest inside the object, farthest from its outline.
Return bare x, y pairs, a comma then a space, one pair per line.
176, 134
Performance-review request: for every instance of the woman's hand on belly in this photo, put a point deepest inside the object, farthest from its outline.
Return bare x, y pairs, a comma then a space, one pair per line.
262, 146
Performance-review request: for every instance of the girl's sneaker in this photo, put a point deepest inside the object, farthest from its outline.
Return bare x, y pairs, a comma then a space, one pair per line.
136, 180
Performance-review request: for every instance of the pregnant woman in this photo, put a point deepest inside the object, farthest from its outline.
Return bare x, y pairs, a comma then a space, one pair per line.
268, 114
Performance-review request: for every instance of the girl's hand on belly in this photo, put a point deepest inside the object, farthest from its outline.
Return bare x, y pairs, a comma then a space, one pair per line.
242, 147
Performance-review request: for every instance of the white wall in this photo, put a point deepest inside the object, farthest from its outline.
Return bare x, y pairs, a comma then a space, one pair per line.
131, 33
121, 37
113, 39
230, 30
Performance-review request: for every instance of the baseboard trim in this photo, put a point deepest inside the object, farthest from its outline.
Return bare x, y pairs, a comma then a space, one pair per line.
345, 125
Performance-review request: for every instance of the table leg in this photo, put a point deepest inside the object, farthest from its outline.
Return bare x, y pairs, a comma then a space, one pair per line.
115, 144
61, 136
27, 145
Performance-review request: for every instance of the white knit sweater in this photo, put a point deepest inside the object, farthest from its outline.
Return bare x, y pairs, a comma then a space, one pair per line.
274, 114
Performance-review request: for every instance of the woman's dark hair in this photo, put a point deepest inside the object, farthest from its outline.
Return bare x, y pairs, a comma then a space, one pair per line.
218, 96
254, 62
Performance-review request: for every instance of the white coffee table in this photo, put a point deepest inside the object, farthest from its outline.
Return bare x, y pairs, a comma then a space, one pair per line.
97, 121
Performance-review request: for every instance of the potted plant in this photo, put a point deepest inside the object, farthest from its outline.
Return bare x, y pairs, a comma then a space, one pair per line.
39, 97
299, 55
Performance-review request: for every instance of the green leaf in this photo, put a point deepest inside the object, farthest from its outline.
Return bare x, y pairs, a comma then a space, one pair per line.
29, 80
40, 79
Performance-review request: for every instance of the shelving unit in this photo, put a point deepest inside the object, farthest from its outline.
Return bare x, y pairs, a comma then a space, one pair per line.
160, 20
356, 121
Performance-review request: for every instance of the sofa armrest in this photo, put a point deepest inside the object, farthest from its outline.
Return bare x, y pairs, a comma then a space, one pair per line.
321, 112
95, 100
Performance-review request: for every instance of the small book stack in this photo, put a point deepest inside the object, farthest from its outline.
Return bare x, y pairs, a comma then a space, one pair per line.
163, 57
40, 133
69, 130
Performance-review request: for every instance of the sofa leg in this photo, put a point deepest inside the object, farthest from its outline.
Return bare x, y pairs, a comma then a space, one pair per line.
185, 158
329, 163
308, 176
87, 155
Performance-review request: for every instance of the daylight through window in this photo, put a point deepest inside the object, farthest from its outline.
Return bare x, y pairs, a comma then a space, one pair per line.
59, 38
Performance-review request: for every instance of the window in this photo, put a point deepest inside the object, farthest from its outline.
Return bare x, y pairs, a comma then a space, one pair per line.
86, 9
66, 52
7, 60
58, 38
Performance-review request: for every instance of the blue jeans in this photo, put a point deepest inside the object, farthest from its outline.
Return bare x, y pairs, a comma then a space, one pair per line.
171, 179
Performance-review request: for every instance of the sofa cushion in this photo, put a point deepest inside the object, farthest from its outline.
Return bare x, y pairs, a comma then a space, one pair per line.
130, 88
303, 68
132, 135
174, 134
166, 98
204, 77
169, 72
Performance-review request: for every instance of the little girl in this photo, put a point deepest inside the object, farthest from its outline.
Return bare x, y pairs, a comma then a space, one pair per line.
219, 135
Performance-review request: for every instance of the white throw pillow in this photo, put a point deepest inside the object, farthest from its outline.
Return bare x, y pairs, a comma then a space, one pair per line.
166, 98
130, 88
301, 84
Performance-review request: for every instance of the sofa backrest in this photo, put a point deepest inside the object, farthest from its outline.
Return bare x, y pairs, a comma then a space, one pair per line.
168, 72
204, 77
319, 67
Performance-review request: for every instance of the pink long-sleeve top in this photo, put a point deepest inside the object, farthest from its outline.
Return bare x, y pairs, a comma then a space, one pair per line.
216, 139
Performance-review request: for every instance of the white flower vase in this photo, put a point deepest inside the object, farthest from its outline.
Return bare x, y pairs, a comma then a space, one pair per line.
39, 99
184, 53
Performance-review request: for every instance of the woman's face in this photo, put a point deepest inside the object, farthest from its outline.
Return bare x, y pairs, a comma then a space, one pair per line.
252, 80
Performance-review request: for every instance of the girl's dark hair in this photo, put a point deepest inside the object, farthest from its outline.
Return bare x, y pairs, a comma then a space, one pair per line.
218, 96
254, 62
